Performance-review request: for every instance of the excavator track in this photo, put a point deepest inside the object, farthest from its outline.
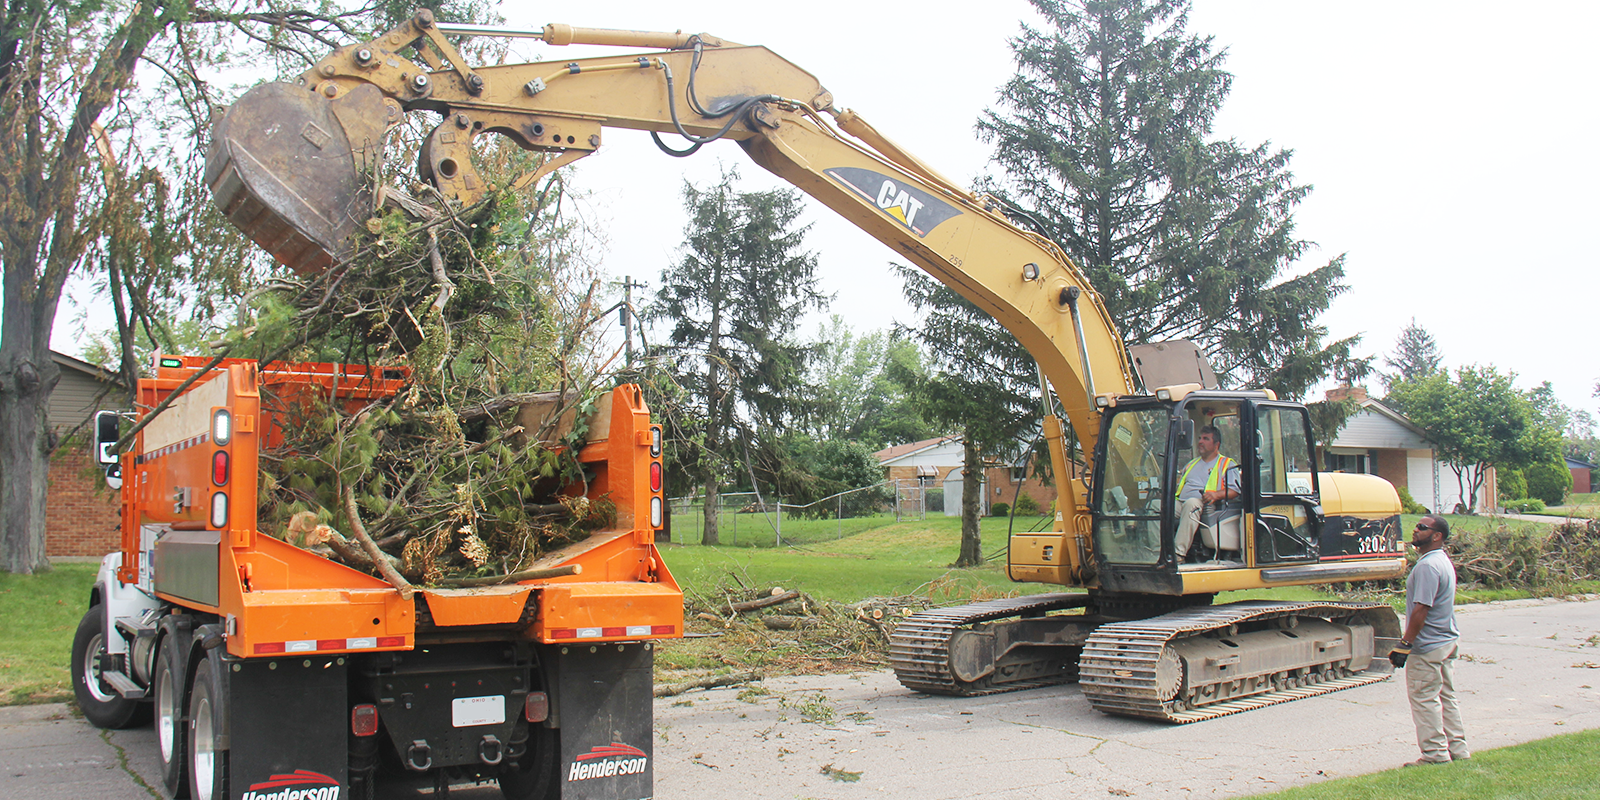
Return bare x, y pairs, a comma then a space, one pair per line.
1131, 669
919, 648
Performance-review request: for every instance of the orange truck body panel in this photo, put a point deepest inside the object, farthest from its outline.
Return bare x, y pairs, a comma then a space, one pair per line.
278, 599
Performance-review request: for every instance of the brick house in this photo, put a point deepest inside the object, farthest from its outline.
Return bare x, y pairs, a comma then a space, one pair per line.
1582, 476
82, 515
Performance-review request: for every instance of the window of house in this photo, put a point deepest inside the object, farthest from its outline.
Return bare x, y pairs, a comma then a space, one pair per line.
1019, 474
1345, 462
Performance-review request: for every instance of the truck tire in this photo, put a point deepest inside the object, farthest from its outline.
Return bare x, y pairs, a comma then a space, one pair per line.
208, 764
172, 730
536, 775
101, 704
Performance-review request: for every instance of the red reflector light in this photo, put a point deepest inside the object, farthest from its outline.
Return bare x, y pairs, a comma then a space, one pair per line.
537, 707
268, 648
663, 630
219, 467
564, 633
330, 644
655, 476
613, 631
364, 720
391, 641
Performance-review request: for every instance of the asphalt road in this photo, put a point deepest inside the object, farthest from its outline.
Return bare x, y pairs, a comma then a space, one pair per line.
1528, 670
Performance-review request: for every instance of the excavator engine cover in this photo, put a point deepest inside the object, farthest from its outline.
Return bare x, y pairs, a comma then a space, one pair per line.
293, 170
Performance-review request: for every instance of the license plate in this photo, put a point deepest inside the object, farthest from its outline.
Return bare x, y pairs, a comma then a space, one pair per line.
468, 711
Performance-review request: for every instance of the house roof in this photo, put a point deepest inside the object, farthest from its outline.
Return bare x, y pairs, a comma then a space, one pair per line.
900, 451
1573, 463
99, 373
1392, 414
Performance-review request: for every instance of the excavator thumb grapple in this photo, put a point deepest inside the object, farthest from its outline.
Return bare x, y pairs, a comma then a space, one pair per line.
292, 169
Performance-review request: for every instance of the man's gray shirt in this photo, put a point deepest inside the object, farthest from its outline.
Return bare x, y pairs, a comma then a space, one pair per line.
1194, 484
1432, 583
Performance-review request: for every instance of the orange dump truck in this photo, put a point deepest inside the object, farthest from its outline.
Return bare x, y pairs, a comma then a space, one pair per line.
275, 674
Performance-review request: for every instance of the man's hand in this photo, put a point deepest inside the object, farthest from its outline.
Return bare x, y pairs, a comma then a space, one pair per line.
1213, 497
1398, 655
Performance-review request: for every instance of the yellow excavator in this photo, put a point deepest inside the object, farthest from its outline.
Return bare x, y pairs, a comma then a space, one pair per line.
292, 165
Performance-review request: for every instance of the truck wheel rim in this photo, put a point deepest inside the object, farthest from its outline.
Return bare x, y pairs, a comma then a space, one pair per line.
91, 670
202, 745
166, 716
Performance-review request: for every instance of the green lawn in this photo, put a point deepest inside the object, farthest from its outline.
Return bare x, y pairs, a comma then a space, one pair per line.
1578, 505
38, 616
1559, 768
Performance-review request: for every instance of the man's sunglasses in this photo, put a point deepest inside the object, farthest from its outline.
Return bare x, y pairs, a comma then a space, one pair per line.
1422, 527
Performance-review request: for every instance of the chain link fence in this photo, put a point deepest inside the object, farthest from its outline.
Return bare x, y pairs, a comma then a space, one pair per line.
754, 519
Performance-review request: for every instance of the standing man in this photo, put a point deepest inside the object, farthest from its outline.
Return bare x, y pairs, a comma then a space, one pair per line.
1210, 479
1428, 648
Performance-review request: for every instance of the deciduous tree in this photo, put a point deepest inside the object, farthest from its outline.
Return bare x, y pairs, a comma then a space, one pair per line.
1477, 419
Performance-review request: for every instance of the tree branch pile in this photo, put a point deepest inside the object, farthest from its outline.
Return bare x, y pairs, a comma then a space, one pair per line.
450, 479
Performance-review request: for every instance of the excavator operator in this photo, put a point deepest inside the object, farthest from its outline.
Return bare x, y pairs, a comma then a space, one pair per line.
1210, 479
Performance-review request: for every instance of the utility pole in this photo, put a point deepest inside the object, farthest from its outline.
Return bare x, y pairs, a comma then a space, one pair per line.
628, 285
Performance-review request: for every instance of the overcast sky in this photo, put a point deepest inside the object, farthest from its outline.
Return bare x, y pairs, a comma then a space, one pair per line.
1451, 146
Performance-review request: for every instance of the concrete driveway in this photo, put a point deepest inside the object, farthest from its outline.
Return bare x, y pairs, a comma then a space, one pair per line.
1528, 670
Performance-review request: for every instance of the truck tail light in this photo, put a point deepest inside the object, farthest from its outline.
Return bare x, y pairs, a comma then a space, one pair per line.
219, 467
364, 720
655, 512
537, 707
219, 510
655, 441
655, 476
221, 426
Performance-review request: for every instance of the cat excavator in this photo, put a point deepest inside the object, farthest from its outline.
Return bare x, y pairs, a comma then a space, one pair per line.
297, 166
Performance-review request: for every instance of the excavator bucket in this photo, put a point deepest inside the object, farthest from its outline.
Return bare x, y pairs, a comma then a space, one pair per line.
294, 170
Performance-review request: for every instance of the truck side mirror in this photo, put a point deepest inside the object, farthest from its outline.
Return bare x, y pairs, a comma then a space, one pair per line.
1185, 433
107, 431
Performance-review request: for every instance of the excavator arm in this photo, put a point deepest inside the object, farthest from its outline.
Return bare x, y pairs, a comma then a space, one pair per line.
291, 165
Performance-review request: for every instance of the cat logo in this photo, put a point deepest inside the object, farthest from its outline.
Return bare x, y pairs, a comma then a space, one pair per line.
912, 207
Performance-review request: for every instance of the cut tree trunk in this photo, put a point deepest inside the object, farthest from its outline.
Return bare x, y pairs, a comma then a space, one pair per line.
971, 494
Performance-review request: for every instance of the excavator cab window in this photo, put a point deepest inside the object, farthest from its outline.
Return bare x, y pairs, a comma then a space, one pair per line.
1130, 489
1288, 513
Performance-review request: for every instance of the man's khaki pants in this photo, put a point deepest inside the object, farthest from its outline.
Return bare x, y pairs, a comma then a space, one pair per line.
1431, 686
1188, 523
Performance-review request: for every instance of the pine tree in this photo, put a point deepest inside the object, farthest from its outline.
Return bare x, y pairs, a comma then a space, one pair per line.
742, 285
1415, 355
981, 383
1104, 136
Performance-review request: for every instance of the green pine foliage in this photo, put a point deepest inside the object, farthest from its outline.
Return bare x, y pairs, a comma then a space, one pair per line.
1105, 140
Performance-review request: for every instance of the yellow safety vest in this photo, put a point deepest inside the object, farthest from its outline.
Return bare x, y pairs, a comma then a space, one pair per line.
1213, 481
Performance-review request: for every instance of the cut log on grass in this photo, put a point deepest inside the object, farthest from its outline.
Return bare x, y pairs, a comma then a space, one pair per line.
731, 679
765, 602
781, 622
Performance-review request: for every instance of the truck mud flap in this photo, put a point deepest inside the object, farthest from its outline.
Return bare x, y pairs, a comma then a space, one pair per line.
605, 711
289, 721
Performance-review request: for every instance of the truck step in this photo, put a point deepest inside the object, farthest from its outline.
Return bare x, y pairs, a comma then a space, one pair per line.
124, 685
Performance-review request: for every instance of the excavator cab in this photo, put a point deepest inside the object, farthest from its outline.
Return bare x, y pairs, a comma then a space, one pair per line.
1147, 445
